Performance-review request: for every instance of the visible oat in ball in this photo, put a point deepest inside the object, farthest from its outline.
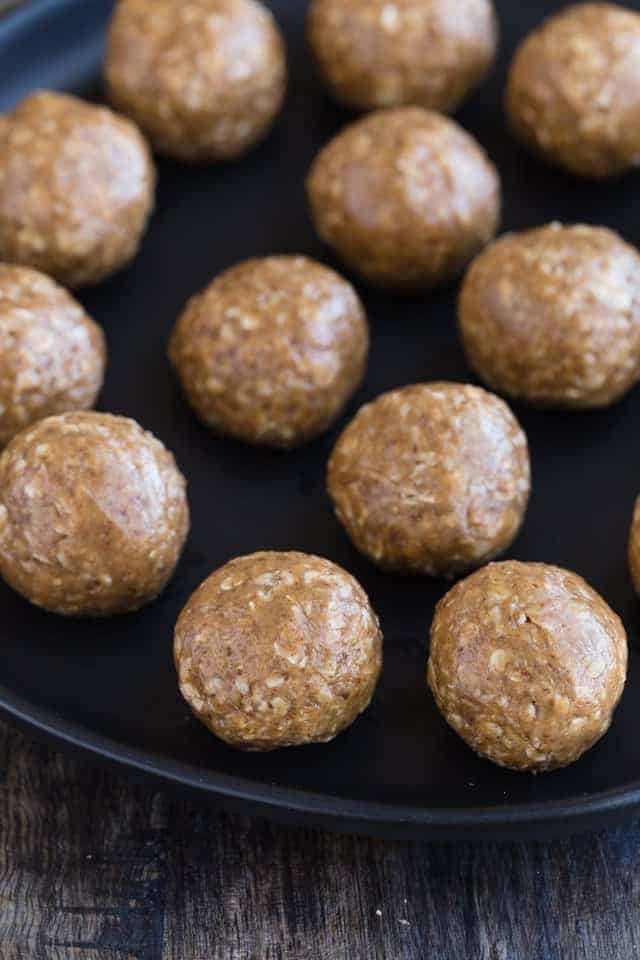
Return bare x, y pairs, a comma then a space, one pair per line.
552, 316
386, 53
432, 478
52, 355
573, 93
278, 649
93, 514
634, 547
272, 350
527, 664
405, 197
76, 188
203, 78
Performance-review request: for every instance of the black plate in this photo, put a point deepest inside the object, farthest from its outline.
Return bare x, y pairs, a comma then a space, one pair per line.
110, 687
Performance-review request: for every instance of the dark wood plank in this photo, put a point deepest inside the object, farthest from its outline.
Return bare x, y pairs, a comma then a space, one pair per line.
81, 860
92, 868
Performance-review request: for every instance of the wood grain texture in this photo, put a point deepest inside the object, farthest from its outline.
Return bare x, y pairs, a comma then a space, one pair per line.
92, 868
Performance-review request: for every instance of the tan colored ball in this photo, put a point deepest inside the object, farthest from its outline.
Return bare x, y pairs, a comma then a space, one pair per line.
431, 479
52, 355
76, 188
573, 92
527, 664
272, 350
388, 53
634, 547
405, 197
93, 514
204, 79
278, 649
551, 316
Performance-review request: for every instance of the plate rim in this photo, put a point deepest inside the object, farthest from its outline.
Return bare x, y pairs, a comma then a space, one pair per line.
20, 13
269, 799
364, 815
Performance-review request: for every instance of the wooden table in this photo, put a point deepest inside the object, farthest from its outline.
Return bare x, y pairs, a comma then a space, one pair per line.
92, 868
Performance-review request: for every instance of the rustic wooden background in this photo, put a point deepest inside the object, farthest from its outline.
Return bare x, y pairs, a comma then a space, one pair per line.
92, 868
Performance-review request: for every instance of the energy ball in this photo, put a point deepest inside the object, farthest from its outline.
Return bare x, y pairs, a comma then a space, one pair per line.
551, 316
634, 547
573, 92
204, 79
272, 350
405, 197
431, 479
52, 355
93, 514
374, 53
527, 664
278, 649
76, 188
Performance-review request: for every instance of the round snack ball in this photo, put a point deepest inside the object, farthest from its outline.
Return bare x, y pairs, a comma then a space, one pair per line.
277, 650
93, 514
272, 350
76, 188
552, 316
573, 92
527, 664
375, 53
634, 547
52, 355
405, 197
203, 79
432, 478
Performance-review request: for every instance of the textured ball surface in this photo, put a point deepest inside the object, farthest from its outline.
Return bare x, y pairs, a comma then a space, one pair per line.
527, 663
204, 79
76, 188
272, 350
573, 92
405, 197
551, 316
52, 355
278, 649
93, 514
428, 53
432, 478
634, 547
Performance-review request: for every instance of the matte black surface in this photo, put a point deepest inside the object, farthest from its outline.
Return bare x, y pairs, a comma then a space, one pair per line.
110, 686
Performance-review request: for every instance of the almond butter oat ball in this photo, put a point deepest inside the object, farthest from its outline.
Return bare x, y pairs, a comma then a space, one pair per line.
277, 650
634, 547
431, 479
527, 664
573, 93
272, 350
551, 316
52, 355
93, 514
76, 188
203, 78
405, 197
376, 53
